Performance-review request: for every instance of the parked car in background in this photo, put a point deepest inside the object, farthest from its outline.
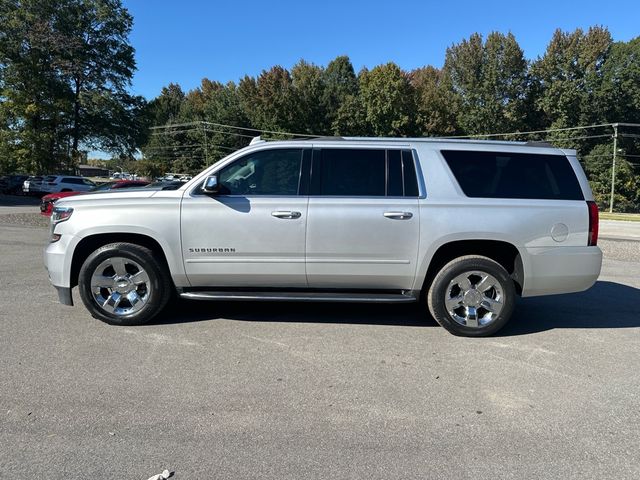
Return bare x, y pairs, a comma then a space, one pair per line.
166, 185
46, 205
12, 184
66, 183
32, 185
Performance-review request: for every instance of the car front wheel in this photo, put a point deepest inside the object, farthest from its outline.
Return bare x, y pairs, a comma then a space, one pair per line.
472, 296
122, 284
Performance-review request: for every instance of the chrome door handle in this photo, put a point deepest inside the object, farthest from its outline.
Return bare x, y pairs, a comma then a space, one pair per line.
398, 215
286, 214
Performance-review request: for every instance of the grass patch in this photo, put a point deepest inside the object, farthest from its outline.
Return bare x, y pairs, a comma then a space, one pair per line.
627, 217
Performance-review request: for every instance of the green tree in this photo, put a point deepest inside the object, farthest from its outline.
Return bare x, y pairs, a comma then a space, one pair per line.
65, 67
165, 108
435, 102
387, 99
568, 78
34, 100
268, 101
598, 165
96, 61
351, 118
340, 84
490, 83
309, 113
618, 97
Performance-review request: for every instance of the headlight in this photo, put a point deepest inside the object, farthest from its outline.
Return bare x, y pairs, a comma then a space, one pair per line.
59, 214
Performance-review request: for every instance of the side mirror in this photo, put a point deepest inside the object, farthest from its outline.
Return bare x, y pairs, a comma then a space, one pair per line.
211, 185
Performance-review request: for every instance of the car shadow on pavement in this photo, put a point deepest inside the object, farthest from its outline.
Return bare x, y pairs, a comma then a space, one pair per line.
409, 315
605, 305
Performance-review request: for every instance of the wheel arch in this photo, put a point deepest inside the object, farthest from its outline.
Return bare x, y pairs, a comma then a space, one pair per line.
503, 252
90, 243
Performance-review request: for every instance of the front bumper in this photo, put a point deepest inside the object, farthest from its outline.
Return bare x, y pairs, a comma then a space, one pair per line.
57, 261
554, 270
64, 296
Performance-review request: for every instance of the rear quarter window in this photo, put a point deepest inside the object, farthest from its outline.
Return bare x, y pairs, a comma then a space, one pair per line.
514, 175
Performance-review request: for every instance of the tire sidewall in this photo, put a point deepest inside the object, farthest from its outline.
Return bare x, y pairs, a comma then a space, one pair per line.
438, 291
144, 258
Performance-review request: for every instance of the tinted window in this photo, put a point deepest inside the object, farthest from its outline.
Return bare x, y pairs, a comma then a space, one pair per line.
394, 174
353, 172
409, 174
75, 181
268, 172
514, 175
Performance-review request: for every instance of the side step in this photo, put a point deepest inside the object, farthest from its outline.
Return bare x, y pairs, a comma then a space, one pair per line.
303, 296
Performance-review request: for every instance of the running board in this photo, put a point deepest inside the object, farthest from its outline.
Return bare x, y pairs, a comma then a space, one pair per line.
302, 296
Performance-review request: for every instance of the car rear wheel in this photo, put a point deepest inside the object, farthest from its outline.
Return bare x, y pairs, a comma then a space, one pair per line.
122, 284
472, 296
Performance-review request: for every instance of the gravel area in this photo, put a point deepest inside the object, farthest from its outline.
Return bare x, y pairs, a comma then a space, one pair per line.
620, 250
24, 219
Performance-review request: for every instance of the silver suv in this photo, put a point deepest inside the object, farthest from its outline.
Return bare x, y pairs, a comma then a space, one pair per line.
465, 226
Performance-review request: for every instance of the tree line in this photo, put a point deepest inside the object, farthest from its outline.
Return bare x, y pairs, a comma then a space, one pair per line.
66, 69
485, 86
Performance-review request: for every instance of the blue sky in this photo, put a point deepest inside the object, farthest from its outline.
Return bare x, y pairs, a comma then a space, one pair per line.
183, 41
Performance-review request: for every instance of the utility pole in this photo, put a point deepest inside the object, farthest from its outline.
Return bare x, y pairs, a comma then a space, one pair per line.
206, 150
613, 169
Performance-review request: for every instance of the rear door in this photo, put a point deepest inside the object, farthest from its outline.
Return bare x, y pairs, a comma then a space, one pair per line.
363, 225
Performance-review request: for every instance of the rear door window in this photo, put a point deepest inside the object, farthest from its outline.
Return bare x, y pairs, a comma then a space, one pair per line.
359, 172
514, 175
353, 172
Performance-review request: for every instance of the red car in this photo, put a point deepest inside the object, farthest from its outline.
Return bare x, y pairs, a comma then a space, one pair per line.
46, 206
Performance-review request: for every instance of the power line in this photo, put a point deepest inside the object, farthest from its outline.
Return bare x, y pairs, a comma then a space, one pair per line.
610, 155
250, 129
196, 129
577, 138
530, 132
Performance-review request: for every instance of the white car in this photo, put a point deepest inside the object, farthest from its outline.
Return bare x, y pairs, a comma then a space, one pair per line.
465, 225
65, 183
32, 185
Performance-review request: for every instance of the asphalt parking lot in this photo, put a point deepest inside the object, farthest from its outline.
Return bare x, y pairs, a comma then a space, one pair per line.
227, 390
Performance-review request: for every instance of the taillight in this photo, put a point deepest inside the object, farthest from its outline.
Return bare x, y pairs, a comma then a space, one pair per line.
593, 224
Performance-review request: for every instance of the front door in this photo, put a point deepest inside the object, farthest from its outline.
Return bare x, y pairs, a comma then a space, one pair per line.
251, 234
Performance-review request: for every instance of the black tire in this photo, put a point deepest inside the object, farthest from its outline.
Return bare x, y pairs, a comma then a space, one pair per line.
155, 292
444, 283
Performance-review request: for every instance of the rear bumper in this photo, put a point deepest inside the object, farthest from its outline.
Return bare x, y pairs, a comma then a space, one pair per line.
550, 271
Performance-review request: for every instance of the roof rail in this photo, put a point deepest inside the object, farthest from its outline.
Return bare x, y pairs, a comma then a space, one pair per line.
538, 143
323, 137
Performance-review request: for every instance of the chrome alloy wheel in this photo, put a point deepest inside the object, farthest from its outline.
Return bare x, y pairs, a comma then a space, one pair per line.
474, 299
120, 286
